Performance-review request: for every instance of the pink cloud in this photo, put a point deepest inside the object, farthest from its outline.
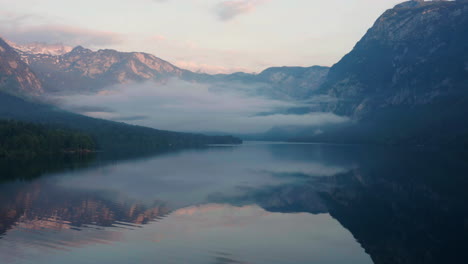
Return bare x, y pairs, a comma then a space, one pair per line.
229, 9
62, 34
157, 38
207, 68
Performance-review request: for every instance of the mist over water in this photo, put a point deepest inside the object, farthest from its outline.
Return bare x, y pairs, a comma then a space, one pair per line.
197, 107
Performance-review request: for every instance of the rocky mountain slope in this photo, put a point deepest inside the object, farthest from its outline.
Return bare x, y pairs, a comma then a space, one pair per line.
63, 69
18, 80
83, 70
282, 82
298, 82
415, 54
39, 48
15, 75
406, 80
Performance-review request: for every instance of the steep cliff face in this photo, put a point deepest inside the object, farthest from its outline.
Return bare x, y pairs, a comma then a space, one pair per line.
288, 83
296, 82
82, 70
415, 54
15, 75
406, 80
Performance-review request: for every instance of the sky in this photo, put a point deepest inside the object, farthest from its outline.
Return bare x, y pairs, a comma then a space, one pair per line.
214, 36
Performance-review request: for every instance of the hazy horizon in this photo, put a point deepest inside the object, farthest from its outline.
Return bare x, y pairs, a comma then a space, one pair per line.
209, 36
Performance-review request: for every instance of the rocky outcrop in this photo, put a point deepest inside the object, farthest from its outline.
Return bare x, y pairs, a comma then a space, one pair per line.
415, 54
15, 76
39, 48
296, 82
406, 81
84, 70
284, 83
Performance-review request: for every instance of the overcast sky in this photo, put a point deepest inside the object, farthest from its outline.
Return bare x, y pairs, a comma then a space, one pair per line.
211, 35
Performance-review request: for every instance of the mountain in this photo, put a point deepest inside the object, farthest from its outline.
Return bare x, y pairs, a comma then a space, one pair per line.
298, 82
84, 70
406, 80
63, 69
40, 48
15, 75
16, 78
415, 54
281, 82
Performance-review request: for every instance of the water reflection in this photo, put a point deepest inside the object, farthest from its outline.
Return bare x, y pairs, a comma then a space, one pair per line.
42, 211
403, 206
257, 203
29, 169
42, 202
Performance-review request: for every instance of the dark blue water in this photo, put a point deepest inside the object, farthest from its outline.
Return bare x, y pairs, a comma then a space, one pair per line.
255, 203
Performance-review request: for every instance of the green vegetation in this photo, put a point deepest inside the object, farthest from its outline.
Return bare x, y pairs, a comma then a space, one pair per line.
109, 136
29, 140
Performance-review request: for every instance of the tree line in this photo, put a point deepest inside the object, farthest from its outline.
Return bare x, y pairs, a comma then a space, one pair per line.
109, 136
26, 139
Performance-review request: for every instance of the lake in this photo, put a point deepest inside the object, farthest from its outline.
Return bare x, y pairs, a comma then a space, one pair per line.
258, 202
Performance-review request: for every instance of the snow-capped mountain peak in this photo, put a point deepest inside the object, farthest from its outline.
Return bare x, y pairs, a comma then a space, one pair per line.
41, 48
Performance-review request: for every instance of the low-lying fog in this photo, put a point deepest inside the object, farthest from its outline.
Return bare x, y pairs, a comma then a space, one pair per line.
194, 107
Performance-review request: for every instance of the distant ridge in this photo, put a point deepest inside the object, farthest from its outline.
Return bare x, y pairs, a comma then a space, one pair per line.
19, 93
64, 69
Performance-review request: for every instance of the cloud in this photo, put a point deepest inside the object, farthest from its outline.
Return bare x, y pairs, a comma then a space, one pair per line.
93, 108
27, 28
208, 68
228, 10
193, 57
62, 34
131, 118
157, 38
11, 19
195, 107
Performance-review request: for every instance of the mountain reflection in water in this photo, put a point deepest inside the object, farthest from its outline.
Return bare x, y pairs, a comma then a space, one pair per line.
257, 203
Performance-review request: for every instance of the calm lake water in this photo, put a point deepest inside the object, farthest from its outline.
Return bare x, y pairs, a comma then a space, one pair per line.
255, 203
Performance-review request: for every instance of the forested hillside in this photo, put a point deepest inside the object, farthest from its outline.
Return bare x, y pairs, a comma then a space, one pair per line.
108, 135
30, 140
